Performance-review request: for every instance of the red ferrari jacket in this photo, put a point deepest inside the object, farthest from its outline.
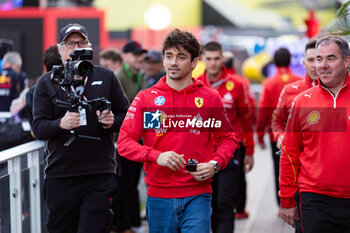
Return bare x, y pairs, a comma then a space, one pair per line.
315, 152
271, 90
236, 102
246, 85
185, 122
288, 94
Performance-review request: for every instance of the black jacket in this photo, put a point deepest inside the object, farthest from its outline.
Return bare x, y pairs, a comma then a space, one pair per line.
83, 156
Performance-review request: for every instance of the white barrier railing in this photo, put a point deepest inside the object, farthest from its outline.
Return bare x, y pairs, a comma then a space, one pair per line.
13, 158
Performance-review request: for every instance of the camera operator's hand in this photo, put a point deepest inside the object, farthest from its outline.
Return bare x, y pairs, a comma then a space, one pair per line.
70, 120
106, 118
204, 171
171, 160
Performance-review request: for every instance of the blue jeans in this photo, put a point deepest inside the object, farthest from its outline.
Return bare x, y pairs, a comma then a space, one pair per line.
174, 215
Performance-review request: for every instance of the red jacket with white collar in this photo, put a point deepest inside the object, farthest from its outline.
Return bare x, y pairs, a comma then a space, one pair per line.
288, 94
271, 90
156, 115
236, 102
315, 149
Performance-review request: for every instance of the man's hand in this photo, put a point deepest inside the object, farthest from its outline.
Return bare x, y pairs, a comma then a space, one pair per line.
171, 160
248, 163
289, 215
204, 171
279, 142
70, 120
106, 118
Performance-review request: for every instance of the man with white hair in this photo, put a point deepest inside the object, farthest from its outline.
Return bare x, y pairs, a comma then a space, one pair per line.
11, 79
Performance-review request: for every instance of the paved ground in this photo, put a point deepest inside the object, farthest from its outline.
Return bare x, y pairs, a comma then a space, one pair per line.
261, 202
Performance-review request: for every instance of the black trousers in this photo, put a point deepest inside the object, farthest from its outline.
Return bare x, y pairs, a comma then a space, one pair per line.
298, 228
241, 194
225, 185
276, 168
126, 204
80, 204
324, 214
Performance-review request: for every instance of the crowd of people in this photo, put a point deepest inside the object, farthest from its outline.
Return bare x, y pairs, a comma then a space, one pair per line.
142, 111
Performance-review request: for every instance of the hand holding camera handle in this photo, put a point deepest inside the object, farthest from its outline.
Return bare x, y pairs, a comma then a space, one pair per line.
106, 118
70, 120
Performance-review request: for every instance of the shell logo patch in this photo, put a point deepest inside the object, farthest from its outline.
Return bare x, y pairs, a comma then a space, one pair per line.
313, 117
230, 85
198, 101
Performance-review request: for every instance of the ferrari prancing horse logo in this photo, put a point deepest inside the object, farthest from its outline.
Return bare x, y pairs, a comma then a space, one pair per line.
198, 101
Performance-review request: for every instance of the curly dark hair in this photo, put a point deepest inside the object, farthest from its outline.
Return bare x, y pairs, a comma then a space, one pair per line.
178, 38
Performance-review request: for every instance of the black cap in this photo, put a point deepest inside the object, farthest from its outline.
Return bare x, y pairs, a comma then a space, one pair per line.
154, 55
70, 28
133, 47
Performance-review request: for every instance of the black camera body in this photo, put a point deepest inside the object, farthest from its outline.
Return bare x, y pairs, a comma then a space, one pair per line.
74, 71
100, 104
191, 165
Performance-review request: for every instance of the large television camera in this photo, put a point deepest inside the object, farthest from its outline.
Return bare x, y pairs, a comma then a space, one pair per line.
74, 72
72, 76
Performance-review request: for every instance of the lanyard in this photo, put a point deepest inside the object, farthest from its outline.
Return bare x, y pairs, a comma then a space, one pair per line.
216, 84
131, 76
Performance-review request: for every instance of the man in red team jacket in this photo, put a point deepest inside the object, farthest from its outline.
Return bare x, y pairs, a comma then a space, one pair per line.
164, 115
290, 91
236, 103
315, 152
288, 94
271, 90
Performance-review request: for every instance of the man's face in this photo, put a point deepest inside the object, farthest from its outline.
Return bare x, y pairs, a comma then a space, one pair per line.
330, 66
177, 63
213, 61
65, 48
110, 64
134, 60
152, 68
310, 63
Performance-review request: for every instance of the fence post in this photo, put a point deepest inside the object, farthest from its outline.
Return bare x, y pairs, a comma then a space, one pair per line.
34, 187
14, 169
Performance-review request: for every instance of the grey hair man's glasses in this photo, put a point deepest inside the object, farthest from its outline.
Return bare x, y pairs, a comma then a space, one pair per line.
71, 44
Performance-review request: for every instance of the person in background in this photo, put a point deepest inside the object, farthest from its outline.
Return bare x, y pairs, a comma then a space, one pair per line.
111, 59
51, 57
80, 176
130, 75
12, 80
268, 99
236, 104
288, 94
153, 67
241, 194
126, 202
315, 148
178, 201
290, 91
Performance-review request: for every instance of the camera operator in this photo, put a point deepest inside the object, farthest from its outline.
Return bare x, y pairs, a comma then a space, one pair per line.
80, 176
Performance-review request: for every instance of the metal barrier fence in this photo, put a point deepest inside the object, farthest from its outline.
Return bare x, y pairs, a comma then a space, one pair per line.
20, 188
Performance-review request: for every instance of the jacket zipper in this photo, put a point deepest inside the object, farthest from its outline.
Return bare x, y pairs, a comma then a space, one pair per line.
334, 97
